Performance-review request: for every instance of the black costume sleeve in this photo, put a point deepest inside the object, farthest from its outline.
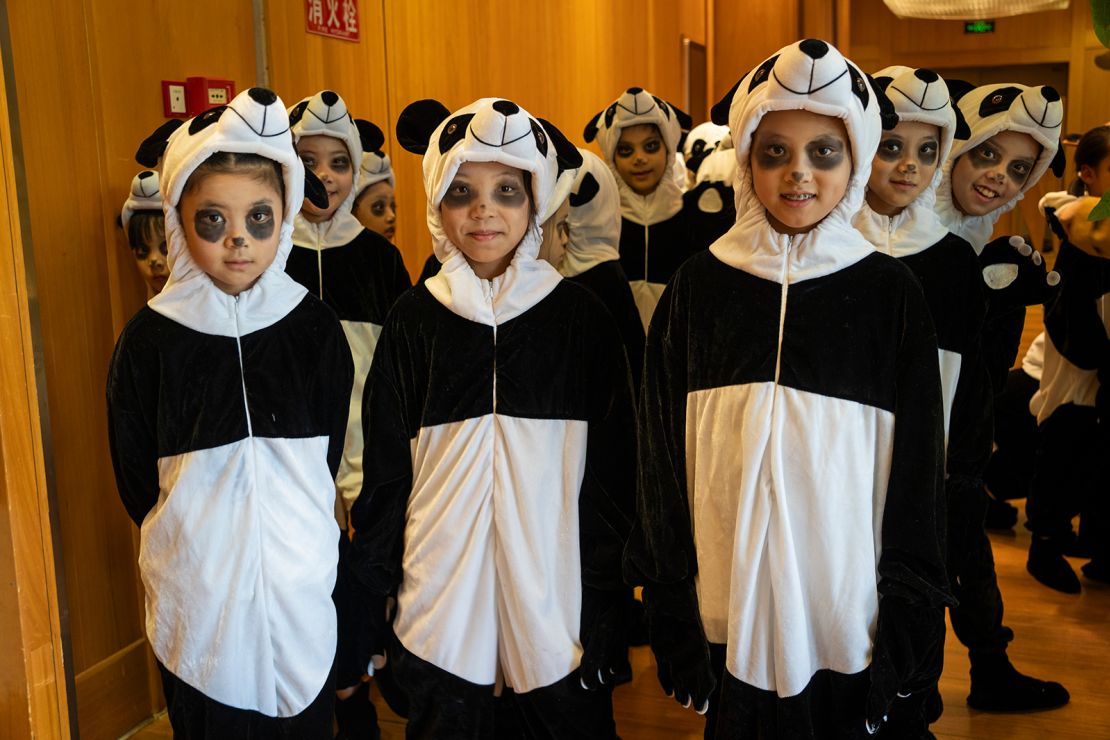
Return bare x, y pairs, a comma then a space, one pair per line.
399, 280
970, 428
132, 395
378, 516
913, 583
1071, 317
660, 554
431, 267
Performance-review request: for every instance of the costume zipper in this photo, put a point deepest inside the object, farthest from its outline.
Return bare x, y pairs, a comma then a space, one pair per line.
242, 371
493, 320
785, 278
647, 237
320, 263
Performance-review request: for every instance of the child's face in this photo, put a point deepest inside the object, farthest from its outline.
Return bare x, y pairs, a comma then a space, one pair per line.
1096, 179
556, 235
485, 213
376, 210
991, 174
150, 258
641, 157
903, 166
330, 161
232, 227
801, 163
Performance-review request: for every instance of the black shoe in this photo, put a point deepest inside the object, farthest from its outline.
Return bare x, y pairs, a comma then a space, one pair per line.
906, 719
357, 717
1047, 564
934, 705
1000, 515
996, 686
1097, 570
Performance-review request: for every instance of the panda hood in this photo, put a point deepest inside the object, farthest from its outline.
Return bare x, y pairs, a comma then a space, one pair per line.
488, 130
254, 122
145, 195
918, 95
703, 140
375, 168
595, 217
634, 108
326, 114
808, 75
989, 110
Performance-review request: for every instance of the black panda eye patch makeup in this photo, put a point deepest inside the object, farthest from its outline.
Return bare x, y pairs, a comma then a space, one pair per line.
890, 149
212, 226
260, 224
209, 224
508, 192
822, 153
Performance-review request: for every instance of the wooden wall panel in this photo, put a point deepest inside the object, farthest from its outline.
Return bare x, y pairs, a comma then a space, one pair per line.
747, 33
32, 674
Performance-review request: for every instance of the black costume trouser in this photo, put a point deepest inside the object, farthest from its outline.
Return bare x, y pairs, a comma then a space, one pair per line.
977, 619
1011, 466
831, 707
445, 707
195, 716
1071, 478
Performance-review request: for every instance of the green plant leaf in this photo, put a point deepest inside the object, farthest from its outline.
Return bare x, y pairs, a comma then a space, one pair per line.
1100, 14
1102, 210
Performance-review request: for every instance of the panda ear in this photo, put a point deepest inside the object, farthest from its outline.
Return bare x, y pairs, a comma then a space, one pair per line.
417, 123
587, 191
590, 132
685, 122
314, 191
370, 135
682, 141
154, 146
887, 112
719, 112
566, 154
296, 113
963, 131
1059, 161
958, 88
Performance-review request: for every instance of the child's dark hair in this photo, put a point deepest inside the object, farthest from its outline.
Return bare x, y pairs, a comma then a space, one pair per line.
143, 226
1092, 148
264, 170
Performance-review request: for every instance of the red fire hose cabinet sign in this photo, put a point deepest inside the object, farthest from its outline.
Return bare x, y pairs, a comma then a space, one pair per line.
335, 18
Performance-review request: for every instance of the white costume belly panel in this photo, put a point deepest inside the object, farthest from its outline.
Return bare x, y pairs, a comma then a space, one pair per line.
362, 336
492, 568
787, 548
238, 605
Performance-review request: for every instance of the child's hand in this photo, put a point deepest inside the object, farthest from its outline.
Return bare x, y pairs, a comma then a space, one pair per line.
1015, 273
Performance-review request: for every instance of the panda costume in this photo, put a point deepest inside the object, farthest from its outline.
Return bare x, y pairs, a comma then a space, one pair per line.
658, 233
499, 467
711, 194
791, 452
591, 258
145, 195
357, 272
1072, 405
1012, 270
226, 421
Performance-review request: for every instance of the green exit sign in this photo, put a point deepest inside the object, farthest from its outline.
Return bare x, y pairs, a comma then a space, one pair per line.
979, 27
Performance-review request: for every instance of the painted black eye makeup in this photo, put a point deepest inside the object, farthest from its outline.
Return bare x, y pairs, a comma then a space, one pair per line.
341, 164
651, 147
624, 150
826, 153
210, 225
511, 193
1019, 170
982, 157
261, 223
770, 154
890, 150
927, 152
458, 195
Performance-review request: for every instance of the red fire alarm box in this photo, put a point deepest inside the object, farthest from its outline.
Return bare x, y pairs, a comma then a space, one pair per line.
202, 93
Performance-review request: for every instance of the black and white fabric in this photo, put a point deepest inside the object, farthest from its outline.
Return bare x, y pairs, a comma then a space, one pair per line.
703, 140
944, 264
791, 469
145, 195
499, 463
656, 231
989, 110
226, 418
376, 167
355, 271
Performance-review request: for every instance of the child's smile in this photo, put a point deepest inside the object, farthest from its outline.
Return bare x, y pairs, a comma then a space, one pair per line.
992, 173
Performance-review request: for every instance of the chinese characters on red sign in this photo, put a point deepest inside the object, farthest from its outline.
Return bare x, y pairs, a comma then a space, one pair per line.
335, 18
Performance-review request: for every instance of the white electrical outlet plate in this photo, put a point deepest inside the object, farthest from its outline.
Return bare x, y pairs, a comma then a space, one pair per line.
177, 98
217, 96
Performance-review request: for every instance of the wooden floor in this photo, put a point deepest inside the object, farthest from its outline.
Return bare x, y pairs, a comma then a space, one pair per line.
1061, 637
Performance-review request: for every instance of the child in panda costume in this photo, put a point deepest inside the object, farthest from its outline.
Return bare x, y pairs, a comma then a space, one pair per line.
500, 453
227, 405
355, 271
711, 173
1013, 139
1072, 406
144, 225
639, 135
789, 532
374, 205
590, 257
898, 217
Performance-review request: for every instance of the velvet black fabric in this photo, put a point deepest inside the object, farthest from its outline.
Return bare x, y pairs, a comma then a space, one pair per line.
863, 334
1015, 436
1072, 320
608, 282
708, 226
173, 390
560, 359
195, 716
431, 267
653, 253
361, 280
